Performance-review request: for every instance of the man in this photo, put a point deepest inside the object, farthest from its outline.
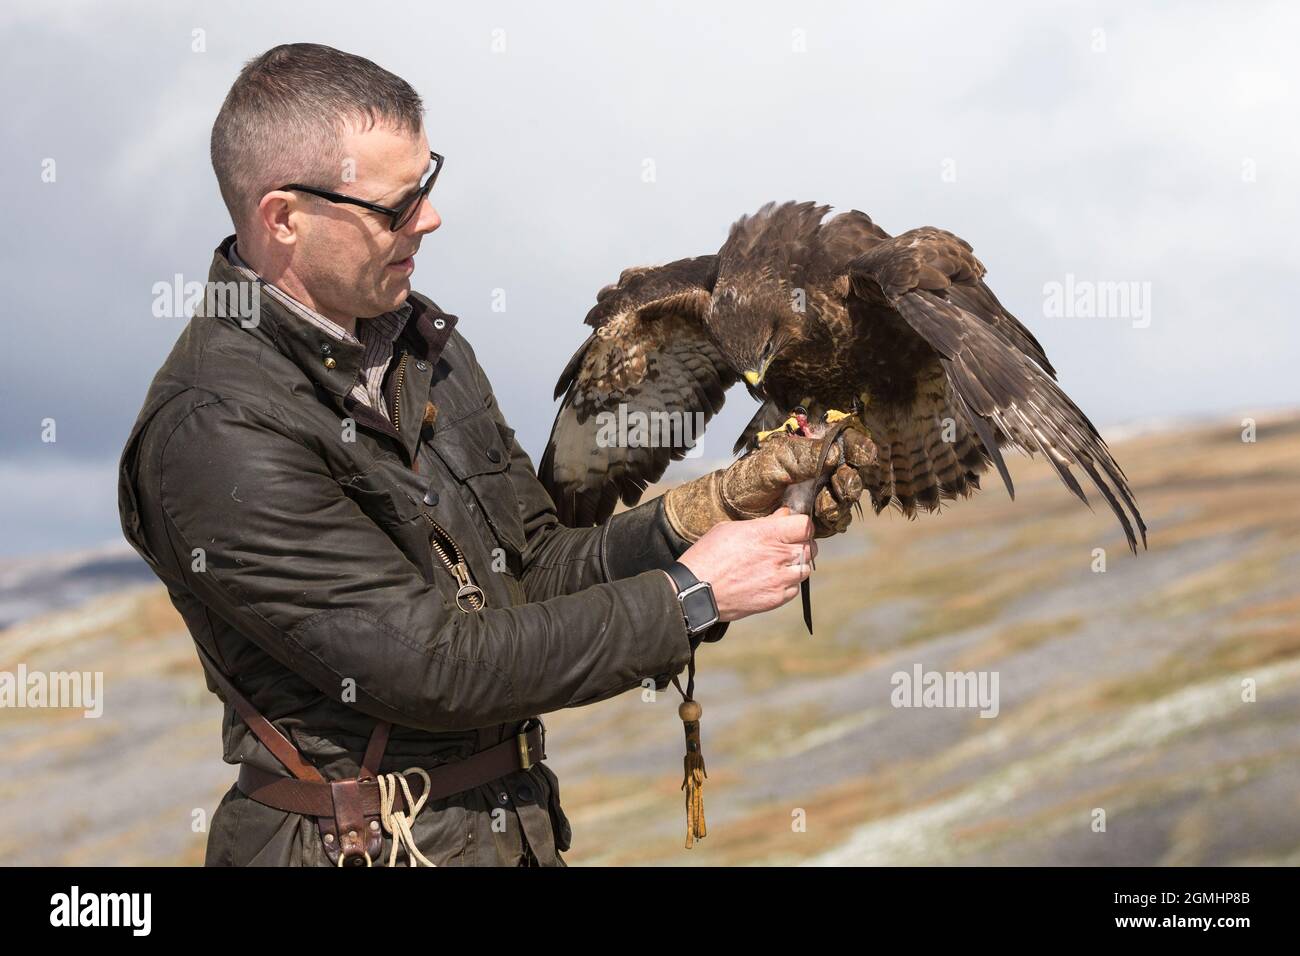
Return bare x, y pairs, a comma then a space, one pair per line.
374, 577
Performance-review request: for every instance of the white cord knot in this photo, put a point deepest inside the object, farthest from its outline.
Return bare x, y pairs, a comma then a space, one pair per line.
398, 823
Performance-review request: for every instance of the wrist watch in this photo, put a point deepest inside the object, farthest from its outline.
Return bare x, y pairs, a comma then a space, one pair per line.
699, 609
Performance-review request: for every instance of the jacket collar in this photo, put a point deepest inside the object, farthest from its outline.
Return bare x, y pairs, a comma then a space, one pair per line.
333, 364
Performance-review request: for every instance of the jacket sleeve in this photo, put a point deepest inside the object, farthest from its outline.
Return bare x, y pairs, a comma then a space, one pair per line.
560, 560
293, 564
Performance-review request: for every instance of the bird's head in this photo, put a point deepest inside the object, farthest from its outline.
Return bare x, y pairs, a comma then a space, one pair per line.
751, 335
758, 358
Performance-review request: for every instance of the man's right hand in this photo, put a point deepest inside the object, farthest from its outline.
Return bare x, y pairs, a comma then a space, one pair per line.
754, 565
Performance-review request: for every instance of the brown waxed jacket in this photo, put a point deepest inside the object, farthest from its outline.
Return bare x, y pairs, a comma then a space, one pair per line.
291, 527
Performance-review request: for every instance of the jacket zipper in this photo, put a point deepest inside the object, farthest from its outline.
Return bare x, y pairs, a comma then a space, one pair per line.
468, 593
397, 392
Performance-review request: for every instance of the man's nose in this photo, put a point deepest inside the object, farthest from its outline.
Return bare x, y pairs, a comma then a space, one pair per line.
426, 220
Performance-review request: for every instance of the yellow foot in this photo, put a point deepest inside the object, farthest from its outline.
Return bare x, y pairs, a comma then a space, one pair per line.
791, 424
834, 415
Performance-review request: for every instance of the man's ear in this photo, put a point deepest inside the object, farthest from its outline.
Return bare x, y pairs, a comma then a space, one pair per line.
275, 217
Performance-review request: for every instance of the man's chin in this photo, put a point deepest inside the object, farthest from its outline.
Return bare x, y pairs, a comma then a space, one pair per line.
391, 296
375, 309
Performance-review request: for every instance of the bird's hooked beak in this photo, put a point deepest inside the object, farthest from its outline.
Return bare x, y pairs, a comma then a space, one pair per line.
755, 376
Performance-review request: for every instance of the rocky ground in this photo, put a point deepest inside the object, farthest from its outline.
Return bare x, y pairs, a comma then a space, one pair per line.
1120, 696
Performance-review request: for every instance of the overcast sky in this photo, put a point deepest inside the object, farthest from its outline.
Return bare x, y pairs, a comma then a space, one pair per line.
1107, 142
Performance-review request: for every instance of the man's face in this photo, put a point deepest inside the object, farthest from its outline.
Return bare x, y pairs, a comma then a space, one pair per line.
347, 257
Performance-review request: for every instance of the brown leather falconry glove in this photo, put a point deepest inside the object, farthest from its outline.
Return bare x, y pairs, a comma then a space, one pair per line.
754, 486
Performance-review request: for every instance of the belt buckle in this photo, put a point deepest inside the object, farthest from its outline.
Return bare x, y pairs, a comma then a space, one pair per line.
521, 736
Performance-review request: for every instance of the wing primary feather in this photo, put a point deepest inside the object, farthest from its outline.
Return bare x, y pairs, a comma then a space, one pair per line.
571, 368
986, 437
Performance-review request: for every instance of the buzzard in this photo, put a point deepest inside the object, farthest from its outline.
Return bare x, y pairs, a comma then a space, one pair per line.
821, 318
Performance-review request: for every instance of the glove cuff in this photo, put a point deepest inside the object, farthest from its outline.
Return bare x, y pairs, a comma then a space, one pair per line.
639, 539
692, 508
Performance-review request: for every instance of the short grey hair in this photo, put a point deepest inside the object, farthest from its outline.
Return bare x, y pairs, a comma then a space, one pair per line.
284, 118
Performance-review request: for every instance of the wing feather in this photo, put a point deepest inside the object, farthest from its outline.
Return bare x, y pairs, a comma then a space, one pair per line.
651, 361
1000, 382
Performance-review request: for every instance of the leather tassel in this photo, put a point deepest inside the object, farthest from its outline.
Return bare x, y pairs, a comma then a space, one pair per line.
693, 780
693, 764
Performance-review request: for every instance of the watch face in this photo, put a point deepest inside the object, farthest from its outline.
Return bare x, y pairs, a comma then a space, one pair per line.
700, 608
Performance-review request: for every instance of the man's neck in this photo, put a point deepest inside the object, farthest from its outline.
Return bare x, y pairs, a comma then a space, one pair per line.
288, 283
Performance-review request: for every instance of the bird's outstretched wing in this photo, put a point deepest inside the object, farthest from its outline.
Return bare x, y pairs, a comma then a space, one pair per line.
638, 391
967, 378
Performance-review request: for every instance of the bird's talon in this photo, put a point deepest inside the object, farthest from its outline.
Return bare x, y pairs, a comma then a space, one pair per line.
834, 415
791, 424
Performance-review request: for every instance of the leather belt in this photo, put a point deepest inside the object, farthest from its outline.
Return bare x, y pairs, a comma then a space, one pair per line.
348, 812
316, 799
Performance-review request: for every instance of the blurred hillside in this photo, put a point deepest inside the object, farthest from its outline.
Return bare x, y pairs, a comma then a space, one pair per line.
1119, 690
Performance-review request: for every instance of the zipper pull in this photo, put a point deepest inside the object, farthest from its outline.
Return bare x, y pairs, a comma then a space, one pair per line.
469, 593
469, 596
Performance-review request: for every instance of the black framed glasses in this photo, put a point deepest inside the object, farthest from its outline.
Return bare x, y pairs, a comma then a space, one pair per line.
399, 215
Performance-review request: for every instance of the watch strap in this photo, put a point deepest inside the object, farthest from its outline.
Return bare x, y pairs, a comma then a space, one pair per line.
682, 576
699, 608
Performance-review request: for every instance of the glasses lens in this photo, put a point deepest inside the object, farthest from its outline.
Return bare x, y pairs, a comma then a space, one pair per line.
411, 208
402, 218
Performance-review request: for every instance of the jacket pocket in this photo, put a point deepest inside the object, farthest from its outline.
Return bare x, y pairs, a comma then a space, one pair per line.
395, 512
384, 504
476, 453
559, 822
